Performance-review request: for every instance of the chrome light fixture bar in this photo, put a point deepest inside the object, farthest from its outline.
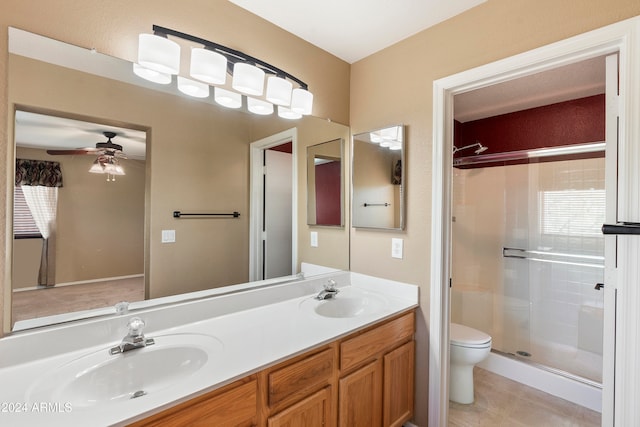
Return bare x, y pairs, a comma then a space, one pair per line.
159, 57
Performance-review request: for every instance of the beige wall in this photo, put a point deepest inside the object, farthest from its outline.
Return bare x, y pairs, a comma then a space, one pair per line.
494, 30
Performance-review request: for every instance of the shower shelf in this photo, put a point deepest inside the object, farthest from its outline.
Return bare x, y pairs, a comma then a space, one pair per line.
555, 257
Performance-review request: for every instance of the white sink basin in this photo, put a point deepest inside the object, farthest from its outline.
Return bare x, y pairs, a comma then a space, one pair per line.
100, 378
348, 303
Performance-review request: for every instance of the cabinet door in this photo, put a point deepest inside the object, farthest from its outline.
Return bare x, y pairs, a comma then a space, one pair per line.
398, 385
360, 397
314, 411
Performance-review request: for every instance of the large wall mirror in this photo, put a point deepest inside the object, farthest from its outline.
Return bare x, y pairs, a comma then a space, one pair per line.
377, 179
196, 158
325, 183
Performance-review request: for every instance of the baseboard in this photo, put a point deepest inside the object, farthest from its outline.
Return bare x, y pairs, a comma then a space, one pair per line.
80, 282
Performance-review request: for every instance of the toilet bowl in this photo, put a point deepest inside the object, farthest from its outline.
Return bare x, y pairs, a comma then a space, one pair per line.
467, 346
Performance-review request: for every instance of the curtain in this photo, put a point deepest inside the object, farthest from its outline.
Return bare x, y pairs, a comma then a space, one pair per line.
40, 181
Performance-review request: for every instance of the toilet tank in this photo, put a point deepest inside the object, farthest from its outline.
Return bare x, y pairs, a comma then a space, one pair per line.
472, 306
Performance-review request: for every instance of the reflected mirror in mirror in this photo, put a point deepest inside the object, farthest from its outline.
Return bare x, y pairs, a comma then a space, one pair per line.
324, 184
197, 160
377, 179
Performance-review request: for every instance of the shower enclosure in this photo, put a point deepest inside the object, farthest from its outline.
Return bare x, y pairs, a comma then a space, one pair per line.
528, 260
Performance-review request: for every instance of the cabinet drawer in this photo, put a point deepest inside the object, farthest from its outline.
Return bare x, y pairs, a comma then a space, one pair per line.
233, 407
302, 377
372, 343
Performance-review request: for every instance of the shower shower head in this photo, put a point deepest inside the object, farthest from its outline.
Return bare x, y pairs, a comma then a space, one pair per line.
478, 150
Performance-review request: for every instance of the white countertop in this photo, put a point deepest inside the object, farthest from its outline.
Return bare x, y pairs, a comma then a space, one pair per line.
256, 329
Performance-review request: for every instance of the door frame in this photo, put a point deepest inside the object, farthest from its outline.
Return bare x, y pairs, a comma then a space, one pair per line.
256, 198
622, 38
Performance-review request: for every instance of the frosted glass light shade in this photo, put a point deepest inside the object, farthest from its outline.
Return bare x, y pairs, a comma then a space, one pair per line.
301, 101
258, 106
192, 87
279, 90
248, 79
288, 113
208, 66
395, 145
96, 167
151, 75
227, 98
158, 53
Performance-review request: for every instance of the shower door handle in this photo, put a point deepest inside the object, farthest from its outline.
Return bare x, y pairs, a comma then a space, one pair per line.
599, 286
621, 228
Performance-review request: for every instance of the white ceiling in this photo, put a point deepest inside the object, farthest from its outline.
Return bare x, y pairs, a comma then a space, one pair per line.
46, 132
355, 29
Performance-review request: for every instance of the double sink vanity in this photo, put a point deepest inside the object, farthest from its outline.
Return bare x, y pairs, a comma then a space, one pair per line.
265, 356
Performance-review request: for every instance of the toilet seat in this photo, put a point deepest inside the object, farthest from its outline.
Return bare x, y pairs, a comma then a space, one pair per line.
464, 336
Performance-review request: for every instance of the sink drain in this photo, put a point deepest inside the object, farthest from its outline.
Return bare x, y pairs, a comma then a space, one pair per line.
138, 393
523, 353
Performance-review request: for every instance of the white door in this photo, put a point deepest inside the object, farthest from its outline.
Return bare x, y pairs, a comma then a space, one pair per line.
274, 231
277, 214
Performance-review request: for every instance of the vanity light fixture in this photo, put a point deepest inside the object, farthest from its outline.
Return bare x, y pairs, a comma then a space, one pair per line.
208, 66
258, 106
151, 75
390, 138
288, 113
159, 53
211, 62
227, 98
279, 91
192, 87
248, 79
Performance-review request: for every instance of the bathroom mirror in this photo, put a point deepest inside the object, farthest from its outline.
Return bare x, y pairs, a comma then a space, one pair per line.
377, 179
324, 184
197, 160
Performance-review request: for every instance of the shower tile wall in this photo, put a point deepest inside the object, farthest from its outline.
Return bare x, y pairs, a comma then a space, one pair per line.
549, 310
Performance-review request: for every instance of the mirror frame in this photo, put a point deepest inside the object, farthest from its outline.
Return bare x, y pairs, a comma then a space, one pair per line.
310, 170
401, 198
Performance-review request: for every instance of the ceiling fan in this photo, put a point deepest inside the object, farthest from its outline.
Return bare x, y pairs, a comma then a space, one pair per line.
108, 154
108, 149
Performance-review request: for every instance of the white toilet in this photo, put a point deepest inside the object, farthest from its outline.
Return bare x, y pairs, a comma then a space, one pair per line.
467, 346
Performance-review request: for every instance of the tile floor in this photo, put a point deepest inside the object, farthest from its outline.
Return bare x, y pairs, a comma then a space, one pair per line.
503, 402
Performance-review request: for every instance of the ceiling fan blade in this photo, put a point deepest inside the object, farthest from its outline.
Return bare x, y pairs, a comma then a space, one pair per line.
71, 152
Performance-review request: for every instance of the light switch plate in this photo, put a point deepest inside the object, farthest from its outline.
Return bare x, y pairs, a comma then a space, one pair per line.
168, 236
314, 239
396, 248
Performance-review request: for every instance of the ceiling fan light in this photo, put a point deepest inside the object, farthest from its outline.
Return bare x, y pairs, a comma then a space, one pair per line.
151, 75
248, 79
192, 87
208, 66
227, 98
158, 53
258, 106
96, 167
288, 113
279, 90
301, 101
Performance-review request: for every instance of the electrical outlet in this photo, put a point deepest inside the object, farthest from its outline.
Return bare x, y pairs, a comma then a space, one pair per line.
168, 236
396, 248
314, 239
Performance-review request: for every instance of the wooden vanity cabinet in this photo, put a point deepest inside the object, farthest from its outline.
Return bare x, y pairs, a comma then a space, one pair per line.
377, 374
363, 380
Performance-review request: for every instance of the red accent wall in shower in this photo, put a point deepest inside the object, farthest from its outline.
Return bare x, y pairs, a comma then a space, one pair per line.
572, 122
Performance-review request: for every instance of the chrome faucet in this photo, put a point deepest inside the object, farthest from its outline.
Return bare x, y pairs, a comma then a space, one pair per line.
134, 339
329, 291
